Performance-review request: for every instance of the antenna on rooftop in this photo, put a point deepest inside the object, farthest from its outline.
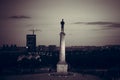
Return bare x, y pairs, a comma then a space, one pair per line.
34, 30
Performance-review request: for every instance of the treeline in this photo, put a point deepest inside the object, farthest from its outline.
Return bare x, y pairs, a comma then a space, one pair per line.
101, 57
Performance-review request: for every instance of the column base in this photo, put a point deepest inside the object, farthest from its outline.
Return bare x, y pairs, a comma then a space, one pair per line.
62, 67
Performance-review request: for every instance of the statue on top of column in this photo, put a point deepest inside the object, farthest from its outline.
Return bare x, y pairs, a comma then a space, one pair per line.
62, 25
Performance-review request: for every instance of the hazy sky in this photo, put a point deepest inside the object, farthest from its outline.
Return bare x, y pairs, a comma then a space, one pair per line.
87, 22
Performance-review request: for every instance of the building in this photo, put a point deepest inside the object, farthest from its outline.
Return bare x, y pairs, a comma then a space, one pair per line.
52, 48
31, 42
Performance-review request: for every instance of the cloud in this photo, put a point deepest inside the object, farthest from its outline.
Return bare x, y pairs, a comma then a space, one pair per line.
117, 25
103, 24
99, 23
79, 23
20, 17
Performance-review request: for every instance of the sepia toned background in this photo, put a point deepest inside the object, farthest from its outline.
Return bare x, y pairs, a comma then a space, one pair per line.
87, 22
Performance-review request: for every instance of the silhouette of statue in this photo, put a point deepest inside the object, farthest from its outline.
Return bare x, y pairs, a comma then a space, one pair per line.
62, 25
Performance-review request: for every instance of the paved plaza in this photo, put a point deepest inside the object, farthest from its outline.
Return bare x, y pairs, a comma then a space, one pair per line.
50, 76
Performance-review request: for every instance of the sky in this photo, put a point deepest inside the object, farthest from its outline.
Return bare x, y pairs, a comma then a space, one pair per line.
87, 22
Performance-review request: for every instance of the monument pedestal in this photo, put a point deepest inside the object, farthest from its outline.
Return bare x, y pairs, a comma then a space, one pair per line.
62, 67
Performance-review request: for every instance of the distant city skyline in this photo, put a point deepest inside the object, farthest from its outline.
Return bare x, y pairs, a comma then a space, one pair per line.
87, 22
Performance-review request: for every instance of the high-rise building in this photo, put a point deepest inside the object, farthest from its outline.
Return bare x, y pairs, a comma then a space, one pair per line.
31, 42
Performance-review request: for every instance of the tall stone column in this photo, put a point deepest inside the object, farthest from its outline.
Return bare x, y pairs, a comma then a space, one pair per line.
62, 66
62, 48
